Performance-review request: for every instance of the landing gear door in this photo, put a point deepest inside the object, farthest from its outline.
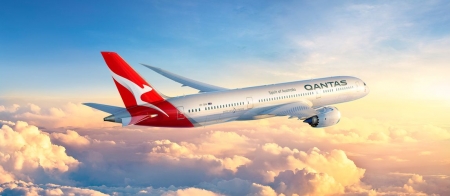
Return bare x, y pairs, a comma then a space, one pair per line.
249, 102
180, 113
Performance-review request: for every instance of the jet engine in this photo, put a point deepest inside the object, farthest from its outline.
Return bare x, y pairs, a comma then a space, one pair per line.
327, 116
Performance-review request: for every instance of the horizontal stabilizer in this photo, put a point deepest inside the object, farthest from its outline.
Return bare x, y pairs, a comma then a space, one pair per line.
105, 108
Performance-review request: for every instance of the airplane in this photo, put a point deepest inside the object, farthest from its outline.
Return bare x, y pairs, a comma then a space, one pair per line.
306, 100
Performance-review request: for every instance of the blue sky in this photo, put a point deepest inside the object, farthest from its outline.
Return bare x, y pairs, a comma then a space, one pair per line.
54, 46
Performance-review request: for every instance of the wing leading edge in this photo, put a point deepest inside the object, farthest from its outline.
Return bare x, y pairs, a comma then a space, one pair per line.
202, 87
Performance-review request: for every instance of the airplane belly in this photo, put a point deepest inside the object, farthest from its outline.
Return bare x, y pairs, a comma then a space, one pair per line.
254, 114
225, 116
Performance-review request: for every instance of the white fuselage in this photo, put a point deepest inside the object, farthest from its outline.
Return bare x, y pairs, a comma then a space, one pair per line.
248, 103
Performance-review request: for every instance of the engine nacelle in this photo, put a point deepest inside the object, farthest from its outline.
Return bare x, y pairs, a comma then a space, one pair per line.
326, 116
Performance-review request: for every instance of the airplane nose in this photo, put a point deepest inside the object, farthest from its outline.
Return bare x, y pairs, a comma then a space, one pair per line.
366, 89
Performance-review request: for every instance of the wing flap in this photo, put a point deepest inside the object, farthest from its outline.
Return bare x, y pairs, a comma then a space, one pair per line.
202, 87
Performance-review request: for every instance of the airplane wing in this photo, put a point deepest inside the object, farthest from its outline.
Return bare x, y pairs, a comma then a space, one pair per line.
300, 109
203, 87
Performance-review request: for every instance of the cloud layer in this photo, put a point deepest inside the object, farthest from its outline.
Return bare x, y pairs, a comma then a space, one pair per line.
265, 157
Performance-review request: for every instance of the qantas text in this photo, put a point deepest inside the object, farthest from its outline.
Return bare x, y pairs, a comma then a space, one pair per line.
325, 85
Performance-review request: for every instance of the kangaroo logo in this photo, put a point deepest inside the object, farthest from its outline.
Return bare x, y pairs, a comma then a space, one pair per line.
137, 91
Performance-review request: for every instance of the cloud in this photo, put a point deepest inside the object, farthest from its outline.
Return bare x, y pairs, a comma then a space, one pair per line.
355, 130
4, 122
5, 176
421, 184
270, 160
28, 188
186, 155
12, 108
67, 115
223, 143
304, 182
34, 108
237, 186
27, 153
71, 138
190, 191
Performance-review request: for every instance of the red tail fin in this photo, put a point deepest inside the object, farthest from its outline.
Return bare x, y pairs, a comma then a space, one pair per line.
133, 89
